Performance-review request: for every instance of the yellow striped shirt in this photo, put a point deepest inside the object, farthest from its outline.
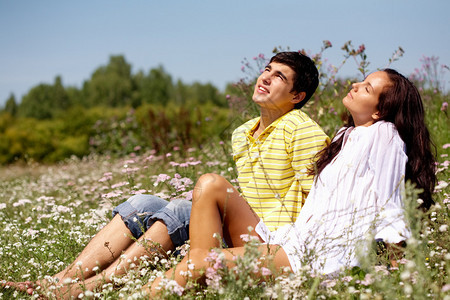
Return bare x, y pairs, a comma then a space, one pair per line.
273, 168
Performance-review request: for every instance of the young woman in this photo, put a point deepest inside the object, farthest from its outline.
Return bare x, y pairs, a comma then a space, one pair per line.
357, 190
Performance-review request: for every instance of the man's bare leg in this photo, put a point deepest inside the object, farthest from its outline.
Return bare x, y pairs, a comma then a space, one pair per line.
155, 241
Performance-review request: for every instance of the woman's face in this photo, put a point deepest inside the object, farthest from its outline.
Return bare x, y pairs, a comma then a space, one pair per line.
362, 100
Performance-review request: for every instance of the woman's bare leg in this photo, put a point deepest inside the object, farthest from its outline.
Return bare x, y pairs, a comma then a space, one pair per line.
218, 208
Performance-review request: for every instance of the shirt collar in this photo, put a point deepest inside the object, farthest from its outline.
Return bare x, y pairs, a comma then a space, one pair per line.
270, 128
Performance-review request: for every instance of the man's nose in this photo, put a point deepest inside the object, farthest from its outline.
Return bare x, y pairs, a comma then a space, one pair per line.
265, 78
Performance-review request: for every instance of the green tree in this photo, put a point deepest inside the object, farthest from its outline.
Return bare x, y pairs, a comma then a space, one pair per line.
156, 87
11, 105
110, 85
181, 92
208, 93
44, 101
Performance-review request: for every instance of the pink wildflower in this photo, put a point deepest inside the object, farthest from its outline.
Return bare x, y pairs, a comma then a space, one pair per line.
174, 287
215, 258
106, 177
112, 194
149, 158
265, 272
162, 178
245, 237
347, 278
382, 269
361, 48
368, 280
213, 278
130, 170
327, 44
138, 192
329, 283
187, 195
119, 184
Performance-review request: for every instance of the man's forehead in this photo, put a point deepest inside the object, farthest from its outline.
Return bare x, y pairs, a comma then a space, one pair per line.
285, 69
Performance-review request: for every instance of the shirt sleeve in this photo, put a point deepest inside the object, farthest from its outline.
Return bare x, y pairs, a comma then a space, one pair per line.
388, 160
234, 139
239, 140
307, 139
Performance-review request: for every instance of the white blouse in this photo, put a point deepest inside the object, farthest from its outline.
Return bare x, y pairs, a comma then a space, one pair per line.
356, 199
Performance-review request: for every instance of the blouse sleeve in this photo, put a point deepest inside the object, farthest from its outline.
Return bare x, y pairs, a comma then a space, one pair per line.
388, 160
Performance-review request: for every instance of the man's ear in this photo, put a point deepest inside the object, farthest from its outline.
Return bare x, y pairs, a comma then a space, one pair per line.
298, 97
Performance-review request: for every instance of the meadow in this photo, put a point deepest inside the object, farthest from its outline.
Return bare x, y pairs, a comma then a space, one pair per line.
49, 212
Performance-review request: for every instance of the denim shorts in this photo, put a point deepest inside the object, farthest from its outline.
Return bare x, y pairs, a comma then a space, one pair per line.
139, 213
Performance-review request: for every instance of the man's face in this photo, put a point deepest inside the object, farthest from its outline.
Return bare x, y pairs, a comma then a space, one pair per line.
273, 88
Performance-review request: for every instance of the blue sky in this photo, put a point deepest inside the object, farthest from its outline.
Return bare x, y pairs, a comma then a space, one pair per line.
206, 40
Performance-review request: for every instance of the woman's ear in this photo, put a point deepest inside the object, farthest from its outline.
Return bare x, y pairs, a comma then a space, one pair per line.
376, 115
298, 97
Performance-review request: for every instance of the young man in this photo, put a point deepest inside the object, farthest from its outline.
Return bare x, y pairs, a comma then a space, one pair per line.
274, 151
272, 154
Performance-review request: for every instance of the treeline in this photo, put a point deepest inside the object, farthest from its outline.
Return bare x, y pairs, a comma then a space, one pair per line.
112, 85
115, 111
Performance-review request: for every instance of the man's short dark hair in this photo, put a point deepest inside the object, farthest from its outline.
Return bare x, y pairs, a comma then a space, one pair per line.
306, 77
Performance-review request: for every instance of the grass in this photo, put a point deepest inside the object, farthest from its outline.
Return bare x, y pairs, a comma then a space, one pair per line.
48, 213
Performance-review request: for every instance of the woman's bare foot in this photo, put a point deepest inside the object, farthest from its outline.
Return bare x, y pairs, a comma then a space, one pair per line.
25, 286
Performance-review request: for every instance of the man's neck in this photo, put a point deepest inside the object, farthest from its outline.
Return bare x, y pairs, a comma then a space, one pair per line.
267, 117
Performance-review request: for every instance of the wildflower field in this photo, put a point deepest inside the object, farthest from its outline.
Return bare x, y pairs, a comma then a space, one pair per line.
48, 213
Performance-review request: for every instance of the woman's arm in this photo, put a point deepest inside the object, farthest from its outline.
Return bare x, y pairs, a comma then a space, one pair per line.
388, 160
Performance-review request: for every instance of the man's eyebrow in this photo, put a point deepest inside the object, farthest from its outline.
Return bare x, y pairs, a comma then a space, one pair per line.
282, 75
277, 72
